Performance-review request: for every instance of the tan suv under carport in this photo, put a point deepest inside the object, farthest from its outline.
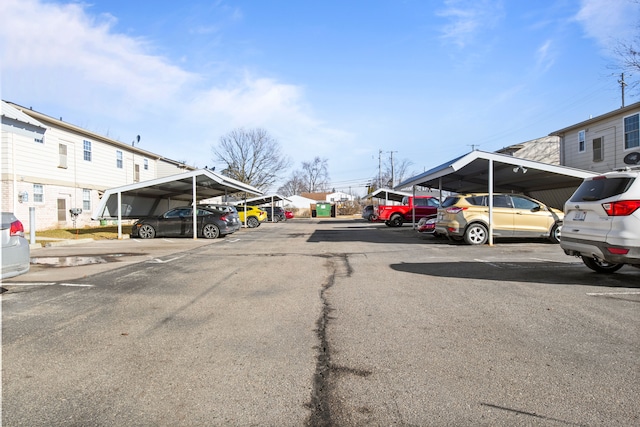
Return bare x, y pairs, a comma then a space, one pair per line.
466, 216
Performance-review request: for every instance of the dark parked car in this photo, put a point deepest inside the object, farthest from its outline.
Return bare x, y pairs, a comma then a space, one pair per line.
178, 222
279, 213
368, 213
15, 248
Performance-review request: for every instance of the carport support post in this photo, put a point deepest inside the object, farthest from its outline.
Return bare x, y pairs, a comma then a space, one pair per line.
194, 208
490, 202
119, 215
413, 209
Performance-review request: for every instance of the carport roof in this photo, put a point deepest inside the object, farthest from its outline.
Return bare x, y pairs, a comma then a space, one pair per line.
203, 183
388, 194
262, 200
470, 173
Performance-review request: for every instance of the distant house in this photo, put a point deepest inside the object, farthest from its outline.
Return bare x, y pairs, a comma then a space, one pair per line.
600, 144
333, 197
300, 202
54, 166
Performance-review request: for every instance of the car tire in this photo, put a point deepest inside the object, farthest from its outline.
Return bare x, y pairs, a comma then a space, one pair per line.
396, 220
253, 222
476, 234
146, 232
601, 266
276, 218
554, 236
210, 231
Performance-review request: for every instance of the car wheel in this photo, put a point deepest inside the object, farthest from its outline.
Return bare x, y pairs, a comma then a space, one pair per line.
396, 220
601, 266
253, 222
146, 232
554, 237
210, 231
276, 218
476, 234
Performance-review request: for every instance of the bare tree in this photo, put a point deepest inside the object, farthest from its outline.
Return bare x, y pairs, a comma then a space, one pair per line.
294, 185
315, 175
628, 53
400, 173
251, 156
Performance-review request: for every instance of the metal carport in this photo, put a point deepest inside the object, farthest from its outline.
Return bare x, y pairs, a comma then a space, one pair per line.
484, 172
155, 196
387, 194
272, 199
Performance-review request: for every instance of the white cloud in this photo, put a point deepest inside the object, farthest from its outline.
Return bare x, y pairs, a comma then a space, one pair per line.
468, 18
61, 56
609, 21
545, 57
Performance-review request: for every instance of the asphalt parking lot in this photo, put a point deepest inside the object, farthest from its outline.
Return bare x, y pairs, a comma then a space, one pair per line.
318, 322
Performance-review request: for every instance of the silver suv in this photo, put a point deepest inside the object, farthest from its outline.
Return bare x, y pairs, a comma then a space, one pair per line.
602, 221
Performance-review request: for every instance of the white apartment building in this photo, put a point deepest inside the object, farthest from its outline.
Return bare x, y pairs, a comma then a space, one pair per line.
55, 167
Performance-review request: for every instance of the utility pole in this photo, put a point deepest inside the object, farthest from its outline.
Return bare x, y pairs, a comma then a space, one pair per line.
392, 175
379, 169
622, 85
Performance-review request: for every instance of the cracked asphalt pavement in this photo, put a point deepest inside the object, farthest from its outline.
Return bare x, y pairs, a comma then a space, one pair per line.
334, 322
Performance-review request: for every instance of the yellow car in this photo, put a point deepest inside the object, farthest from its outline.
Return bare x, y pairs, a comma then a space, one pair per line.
254, 215
466, 216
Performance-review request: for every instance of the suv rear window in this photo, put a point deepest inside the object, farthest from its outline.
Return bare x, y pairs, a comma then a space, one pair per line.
601, 188
450, 201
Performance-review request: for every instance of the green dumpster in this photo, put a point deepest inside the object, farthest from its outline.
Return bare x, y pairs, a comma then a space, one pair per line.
323, 209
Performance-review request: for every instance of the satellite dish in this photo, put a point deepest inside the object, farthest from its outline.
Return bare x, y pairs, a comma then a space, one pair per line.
632, 158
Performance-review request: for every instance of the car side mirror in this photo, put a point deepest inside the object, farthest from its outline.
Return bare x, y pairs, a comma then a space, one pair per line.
536, 209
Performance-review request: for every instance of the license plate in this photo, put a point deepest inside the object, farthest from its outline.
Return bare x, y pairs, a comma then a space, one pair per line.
579, 216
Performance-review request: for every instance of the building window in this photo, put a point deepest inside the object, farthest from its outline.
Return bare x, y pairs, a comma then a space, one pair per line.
62, 156
119, 159
38, 193
146, 164
631, 132
136, 173
87, 150
581, 141
598, 150
86, 199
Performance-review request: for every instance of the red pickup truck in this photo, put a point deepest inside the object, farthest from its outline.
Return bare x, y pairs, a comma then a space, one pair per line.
396, 215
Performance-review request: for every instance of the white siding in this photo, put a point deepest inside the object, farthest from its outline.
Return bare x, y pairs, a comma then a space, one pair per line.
25, 162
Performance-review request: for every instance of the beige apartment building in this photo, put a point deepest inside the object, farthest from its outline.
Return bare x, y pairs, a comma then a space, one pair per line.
602, 143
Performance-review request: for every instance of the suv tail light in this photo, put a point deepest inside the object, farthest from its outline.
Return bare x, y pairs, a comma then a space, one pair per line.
223, 218
17, 229
622, 208
618, 251
455, 210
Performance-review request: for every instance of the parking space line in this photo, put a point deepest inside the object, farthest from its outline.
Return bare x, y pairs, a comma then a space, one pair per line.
159, 261
488, 262
48, 284
596, 294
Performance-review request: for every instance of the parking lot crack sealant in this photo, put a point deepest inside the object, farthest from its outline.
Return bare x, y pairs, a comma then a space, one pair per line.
320, 396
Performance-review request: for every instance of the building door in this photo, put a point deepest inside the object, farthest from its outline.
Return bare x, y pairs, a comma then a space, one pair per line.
62, 210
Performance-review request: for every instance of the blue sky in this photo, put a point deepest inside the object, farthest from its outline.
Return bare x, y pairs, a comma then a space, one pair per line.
342, 80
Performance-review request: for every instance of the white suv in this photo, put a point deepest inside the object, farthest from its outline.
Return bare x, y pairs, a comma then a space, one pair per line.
602, 221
